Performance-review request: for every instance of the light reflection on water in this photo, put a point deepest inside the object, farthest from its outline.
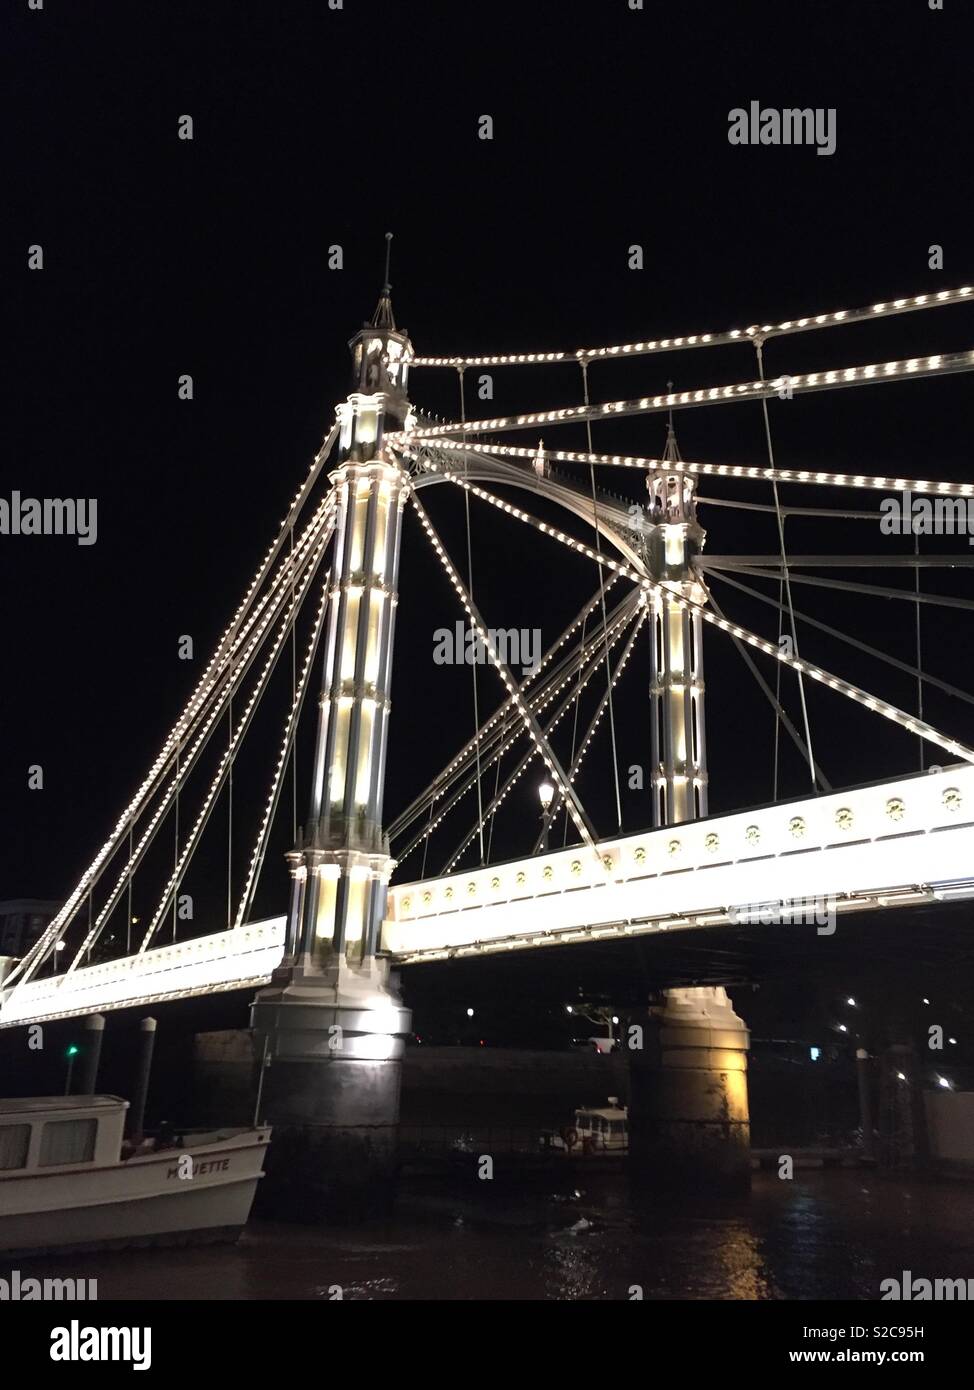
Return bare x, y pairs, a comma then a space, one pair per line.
822, 1235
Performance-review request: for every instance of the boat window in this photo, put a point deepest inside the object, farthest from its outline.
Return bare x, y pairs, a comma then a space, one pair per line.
68, 1141
14, 1143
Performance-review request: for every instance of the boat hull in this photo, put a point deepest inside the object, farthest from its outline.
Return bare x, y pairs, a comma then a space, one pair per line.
144, 1201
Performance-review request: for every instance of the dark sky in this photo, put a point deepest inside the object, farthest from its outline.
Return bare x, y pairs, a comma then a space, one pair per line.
315, 127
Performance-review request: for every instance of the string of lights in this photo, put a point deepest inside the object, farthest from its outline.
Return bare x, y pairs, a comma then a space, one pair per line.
614, 635
788, 327
722, 470
446, 775
209, 706
802, 383
853, 692
294, 714
550, 761
229, 752
587, 654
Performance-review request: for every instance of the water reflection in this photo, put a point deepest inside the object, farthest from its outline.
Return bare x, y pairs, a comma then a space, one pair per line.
821, 1235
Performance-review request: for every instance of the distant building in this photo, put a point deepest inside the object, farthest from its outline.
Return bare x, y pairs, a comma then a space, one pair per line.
22, 920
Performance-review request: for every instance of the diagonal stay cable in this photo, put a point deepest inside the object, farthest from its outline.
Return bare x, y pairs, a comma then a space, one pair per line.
759, 349
837, 683
594, 661
915, 671
601, 572
578, 812
587, 659
773, 696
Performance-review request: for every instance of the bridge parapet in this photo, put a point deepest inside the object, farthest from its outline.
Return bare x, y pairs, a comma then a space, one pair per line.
861, 847
233, 959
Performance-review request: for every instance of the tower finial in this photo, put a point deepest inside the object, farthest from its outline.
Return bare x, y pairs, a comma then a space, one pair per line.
386, 287
383, 317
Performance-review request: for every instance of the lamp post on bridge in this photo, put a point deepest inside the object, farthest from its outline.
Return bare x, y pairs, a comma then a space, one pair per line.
546, 794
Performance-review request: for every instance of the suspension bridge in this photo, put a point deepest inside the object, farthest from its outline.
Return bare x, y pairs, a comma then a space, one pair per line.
321, 610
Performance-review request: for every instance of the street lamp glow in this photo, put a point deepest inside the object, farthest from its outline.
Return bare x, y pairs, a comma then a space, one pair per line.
546, 794
569, 1009
851, 1002
615, 1018
942, 1081
470, 1013
843, 1028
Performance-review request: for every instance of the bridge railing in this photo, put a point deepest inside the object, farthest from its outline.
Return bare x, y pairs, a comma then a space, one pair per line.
874, 838
223, 960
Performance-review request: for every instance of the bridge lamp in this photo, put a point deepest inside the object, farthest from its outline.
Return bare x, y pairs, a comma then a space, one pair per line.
546, 794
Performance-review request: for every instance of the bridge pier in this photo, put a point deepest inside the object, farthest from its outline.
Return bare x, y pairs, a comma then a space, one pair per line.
329, 1047
688, 1111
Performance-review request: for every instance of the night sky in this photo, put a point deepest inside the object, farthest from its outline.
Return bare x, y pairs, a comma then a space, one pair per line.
315, 127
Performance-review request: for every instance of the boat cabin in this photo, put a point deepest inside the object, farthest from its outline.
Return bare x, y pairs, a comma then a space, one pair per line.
605, 1128
60, 1132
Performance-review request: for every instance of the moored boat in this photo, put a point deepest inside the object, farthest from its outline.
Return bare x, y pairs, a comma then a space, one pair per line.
67, 1182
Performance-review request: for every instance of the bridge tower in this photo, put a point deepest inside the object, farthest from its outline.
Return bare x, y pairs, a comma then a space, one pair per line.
688, 1113
330, 1028
677, 688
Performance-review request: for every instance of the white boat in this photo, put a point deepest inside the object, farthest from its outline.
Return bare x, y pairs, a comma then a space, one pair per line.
65, 1185
596, 1130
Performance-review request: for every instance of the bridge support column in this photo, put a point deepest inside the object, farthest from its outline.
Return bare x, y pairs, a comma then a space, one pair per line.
330, 1029
330, 1049
688, 1111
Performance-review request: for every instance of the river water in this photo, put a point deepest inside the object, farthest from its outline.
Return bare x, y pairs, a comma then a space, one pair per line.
824, 1234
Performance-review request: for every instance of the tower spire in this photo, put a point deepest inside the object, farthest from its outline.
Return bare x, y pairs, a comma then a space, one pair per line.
383, 316
672, 450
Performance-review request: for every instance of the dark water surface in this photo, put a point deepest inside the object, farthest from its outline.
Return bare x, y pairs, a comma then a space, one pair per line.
833, 1234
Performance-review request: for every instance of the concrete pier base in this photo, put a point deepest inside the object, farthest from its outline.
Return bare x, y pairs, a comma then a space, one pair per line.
329, 1051
688, 1110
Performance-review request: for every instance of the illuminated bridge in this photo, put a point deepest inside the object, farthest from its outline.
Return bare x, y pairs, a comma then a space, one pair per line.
321, 611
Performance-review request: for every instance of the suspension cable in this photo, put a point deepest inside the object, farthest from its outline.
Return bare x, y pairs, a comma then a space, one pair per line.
605, 629
473, 664
758, 346
916, 586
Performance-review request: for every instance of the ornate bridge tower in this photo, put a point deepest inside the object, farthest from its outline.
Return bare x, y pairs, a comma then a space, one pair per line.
677, 689
688, 1114
329, 1028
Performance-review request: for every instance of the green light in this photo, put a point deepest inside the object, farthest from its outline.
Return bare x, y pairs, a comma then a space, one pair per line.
72, 1051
